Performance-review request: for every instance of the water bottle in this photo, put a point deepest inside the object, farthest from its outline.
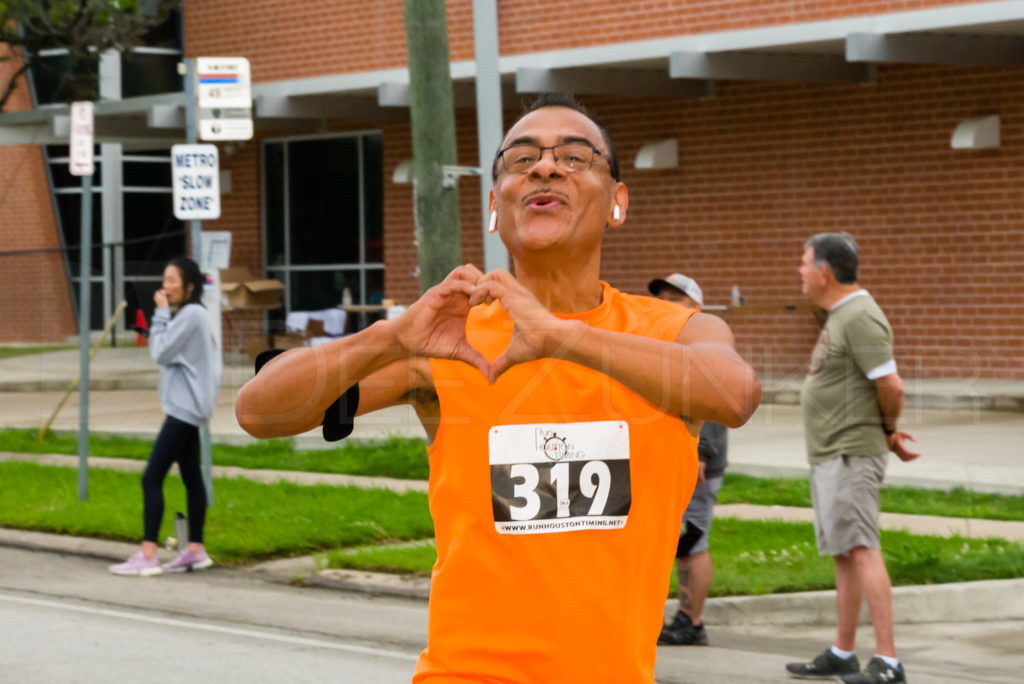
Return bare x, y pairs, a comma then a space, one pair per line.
736, 299
181, 530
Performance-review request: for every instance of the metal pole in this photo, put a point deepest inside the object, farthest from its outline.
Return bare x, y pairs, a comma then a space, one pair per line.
195, 231
84, 324
489, 125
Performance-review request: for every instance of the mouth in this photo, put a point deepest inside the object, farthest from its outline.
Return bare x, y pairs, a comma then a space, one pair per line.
543, 200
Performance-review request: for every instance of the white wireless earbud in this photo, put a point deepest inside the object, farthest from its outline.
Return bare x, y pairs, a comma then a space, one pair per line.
615, 213
494, 222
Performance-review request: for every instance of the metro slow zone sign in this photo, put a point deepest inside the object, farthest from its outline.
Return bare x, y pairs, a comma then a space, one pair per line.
195, 177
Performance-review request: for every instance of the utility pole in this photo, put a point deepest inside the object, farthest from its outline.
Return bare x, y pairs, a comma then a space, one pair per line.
432, 111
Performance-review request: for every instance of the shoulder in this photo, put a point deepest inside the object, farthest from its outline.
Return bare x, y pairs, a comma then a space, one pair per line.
864, 311
648, 316
195, 314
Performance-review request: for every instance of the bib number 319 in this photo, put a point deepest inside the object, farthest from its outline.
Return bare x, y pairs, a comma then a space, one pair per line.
559, 477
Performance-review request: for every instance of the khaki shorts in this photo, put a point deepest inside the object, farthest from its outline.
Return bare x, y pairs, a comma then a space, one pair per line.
844, 492
697, 519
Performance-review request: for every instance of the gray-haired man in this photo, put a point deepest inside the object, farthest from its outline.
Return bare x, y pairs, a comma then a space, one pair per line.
693, 560
851, 400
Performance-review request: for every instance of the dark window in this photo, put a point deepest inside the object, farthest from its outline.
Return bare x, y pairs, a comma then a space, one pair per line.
147, 174
149, 74
373, 191
274, 165
70, 208
149, 227
323, 201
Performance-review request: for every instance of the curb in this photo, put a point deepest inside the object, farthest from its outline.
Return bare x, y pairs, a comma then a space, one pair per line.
964, 601
994, 599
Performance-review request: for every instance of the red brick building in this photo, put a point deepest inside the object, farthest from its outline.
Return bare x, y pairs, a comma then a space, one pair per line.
789, 118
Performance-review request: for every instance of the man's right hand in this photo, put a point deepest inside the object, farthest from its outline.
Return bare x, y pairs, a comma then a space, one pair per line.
898, 446
435, 324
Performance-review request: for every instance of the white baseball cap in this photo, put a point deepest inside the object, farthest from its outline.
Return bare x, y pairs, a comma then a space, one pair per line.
688, 286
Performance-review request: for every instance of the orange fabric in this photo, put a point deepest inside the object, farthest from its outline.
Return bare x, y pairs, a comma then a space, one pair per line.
579, 606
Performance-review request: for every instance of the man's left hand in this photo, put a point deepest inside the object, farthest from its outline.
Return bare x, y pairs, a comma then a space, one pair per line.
537, 331
898, 446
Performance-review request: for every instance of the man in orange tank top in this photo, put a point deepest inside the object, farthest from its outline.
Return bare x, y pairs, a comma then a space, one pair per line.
560, 466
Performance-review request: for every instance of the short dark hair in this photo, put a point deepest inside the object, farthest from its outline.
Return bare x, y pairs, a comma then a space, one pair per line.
569, 101
190, 275
839, 252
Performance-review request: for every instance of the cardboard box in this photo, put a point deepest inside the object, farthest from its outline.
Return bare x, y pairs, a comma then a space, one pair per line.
241, 291
288, 340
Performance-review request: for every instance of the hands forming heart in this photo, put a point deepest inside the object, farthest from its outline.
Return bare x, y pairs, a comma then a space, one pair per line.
435, 325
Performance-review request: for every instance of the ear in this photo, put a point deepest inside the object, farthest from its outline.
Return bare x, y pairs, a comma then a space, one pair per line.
492, 204
188, 291
620, 199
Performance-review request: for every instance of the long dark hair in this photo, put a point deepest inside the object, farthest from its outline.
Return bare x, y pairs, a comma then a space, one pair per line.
190, 275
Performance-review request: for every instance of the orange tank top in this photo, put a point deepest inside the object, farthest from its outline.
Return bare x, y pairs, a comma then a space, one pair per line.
556, 495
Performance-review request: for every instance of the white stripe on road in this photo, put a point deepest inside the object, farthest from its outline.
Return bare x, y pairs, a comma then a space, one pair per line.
170, 622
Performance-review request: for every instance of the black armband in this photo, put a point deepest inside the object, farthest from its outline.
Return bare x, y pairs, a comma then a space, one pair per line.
338, 418
887, 431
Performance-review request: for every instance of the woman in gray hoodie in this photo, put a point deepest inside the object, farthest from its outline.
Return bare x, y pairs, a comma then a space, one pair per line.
181, 341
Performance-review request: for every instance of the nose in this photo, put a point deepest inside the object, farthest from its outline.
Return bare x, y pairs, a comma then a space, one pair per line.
545, 167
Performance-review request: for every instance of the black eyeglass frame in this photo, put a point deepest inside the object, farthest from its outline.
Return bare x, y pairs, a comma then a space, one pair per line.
554, 155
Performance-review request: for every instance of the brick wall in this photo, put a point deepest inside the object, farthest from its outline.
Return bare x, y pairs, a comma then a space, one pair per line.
330, 37
36, 305
764, 166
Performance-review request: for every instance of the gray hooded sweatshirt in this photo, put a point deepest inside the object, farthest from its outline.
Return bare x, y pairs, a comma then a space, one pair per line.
190, 362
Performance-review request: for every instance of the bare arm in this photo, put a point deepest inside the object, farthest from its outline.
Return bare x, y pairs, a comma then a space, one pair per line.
890, 401
292, 392
700, 375
388, 359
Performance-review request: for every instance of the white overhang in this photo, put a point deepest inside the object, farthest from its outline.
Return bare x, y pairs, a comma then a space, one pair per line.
987, 33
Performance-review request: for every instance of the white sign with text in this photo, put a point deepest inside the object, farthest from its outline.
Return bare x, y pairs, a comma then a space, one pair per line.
81, 161
195, 176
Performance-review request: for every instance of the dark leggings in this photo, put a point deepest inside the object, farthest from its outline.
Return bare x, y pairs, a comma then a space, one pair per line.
177, 441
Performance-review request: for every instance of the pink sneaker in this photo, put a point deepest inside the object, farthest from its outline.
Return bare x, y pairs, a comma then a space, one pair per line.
188, 561
137, 564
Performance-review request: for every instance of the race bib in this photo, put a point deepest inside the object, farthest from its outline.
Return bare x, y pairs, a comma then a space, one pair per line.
559, 477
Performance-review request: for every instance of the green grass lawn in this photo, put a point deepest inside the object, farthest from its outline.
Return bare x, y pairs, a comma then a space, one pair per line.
767, 557
957, 503
406, 458
397, 457
11, 352
249, 521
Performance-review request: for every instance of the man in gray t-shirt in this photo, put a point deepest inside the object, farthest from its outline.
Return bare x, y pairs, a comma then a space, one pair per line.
851, 400
693, 560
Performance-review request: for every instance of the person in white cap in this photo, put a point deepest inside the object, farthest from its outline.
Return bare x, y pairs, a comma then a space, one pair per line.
694, 568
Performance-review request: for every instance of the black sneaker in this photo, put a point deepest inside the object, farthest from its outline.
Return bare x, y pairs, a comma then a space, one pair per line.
825, 666
682, 632
878, 671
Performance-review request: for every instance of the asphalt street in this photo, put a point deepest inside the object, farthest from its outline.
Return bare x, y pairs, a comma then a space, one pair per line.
64, 618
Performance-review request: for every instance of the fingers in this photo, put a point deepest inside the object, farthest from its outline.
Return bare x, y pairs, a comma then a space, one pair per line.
486, 291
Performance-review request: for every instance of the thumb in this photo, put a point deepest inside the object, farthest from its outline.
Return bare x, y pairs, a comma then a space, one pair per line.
467, 354
498, 367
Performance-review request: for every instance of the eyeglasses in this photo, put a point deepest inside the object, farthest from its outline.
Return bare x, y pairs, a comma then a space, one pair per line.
571, 157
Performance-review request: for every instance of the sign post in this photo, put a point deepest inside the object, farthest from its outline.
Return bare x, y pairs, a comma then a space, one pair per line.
82, 163
218, 106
